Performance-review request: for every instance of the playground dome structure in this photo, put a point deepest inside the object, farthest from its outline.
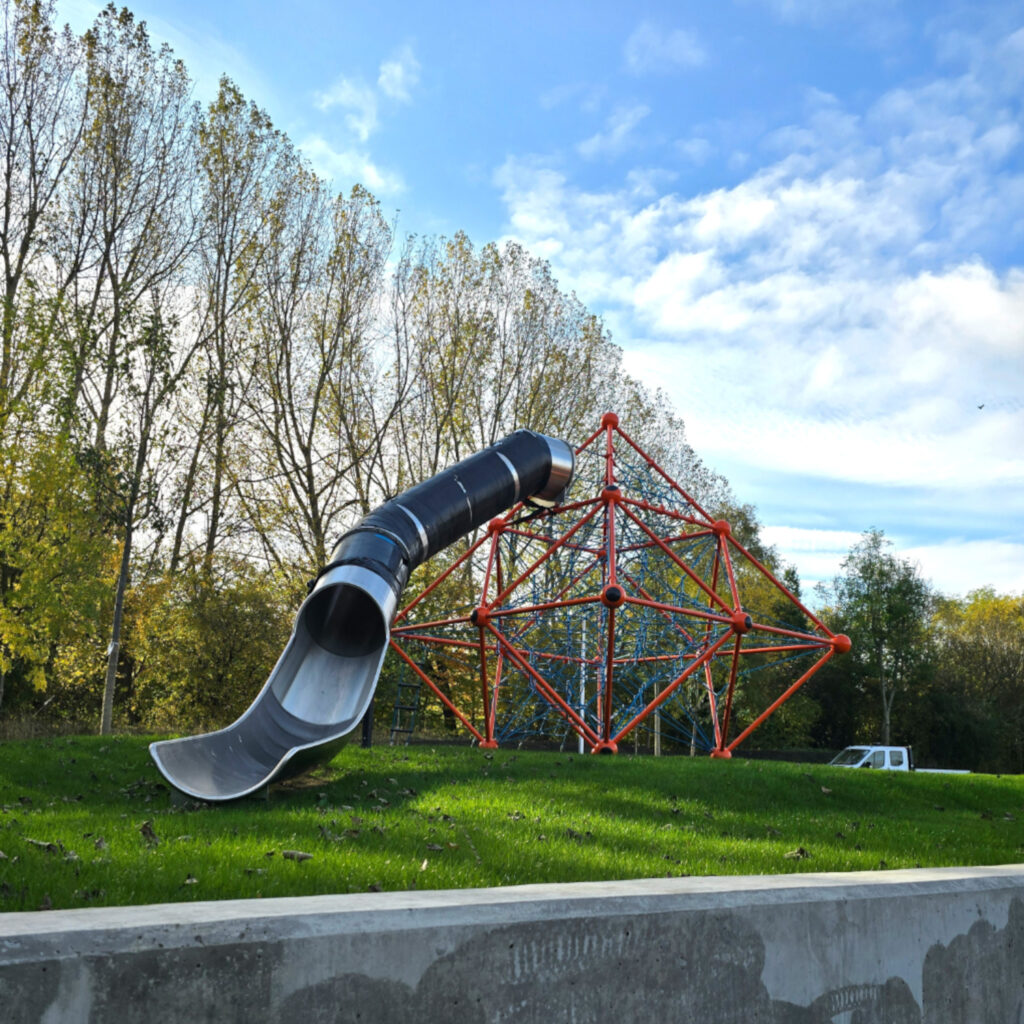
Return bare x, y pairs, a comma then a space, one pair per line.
625, 610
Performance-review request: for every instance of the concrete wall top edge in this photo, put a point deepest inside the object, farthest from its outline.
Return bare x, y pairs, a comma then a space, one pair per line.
160, 925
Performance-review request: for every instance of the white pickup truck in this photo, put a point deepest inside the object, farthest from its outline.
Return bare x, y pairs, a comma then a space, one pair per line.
892, 759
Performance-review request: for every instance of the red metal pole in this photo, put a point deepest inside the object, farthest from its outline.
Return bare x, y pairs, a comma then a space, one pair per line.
635, 584
653, 465
609, 421
499, 661
451, 568
796, 634
732, 687
606, 715
543, 685
782, 700
709, 685
672, 687
682, 565
694, 613
530, 609
723, 544
491, 555
402, 630
547, 554
814, 618
784, 647
425, 638
489, 742
671, 513
440, 696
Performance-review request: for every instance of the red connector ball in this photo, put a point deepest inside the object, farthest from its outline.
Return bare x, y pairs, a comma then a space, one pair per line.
841, 643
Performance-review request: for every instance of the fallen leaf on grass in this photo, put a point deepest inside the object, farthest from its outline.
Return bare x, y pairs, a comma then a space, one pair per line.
826, 790
100, 844
374, 887
147, 833
434, 847
191, 880
798, 854
423, 866
42, 844
296, 855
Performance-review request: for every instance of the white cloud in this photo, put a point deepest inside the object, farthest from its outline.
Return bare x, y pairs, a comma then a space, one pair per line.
695, 150
399, 75
817, 554
649, 49
355, 97
349, 166
953, 566
587, 96
957, 566
829, 316
361, 103
617, 135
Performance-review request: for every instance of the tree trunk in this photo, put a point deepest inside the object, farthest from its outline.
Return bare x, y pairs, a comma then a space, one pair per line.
113, 651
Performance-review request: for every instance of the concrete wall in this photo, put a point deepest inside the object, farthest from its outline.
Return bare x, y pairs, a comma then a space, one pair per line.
902, 947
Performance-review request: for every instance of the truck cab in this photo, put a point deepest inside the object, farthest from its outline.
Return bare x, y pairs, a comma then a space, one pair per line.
893, 759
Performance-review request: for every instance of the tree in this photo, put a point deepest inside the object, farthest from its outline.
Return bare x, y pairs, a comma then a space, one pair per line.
979, 642
884, 606
138, 158
319, 285
42, 117
240, 154
55, 574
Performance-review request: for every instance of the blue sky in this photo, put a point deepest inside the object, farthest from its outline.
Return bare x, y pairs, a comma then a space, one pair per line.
802, 219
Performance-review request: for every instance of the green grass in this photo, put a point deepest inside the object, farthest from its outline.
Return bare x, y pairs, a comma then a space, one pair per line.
88, 821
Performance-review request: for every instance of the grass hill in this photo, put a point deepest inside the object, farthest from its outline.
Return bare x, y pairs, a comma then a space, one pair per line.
88, 821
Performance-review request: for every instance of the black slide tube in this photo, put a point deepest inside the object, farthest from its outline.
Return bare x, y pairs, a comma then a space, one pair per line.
325, 678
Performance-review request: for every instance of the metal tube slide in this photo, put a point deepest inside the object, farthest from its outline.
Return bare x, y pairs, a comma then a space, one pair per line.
324, 680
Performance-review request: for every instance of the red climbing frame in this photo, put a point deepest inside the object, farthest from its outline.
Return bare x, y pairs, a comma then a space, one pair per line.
713, 628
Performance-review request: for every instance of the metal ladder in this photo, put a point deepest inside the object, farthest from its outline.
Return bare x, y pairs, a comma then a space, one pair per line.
403, 719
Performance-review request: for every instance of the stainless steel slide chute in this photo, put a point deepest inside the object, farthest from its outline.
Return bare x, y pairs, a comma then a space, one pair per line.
324, 680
